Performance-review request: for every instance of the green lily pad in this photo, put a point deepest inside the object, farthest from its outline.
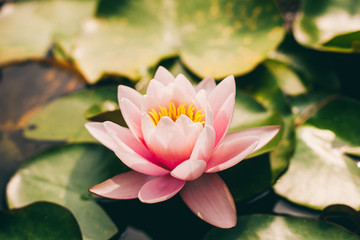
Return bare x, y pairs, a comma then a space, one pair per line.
345, 41
260, 227
263, 85
287, 79
281, 154
253, 176
301, 70
249, 113
114, 116
341, 117
216, 38
266, 85
63, 175
329, 25
320, 171
96, 109
40, 220
29, 28
64, 118
249, 178
106, 111
25, 88
342, 215
305, 106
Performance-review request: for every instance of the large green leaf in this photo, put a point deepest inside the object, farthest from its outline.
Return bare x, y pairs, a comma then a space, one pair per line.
107, 111
64, 118
28, 28
25, 88
63, 175
286, 78
341, 117
261, 227
266, 85
331, 25
249, 178
215, 38
40, 220
320, 171
300, 70
249, 113
253, 176
342, 215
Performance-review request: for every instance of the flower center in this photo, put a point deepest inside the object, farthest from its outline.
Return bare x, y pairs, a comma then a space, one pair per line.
174, 112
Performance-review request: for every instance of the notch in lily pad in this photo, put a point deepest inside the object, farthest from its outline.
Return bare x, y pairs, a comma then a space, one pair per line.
106, 111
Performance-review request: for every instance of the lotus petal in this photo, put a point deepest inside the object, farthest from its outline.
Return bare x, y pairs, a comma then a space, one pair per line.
160, 189
122, 186
210, 199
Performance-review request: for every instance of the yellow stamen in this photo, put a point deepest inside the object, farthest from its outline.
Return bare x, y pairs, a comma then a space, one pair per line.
154, 115
198, 116
190, 112
174, 113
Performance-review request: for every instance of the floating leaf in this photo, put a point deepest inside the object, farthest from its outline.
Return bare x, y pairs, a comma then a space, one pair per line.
106, 106
29, 28
249, 178
25, 88
249, 113
305, 106
329, 25
287, 79
113, 116
243, 179
305, 68
259, 227
341, 117
321, 173
342, 215
216, 38
64, 118
40, 220
106, 111
63, 175
280, 156
10, 160
265, 84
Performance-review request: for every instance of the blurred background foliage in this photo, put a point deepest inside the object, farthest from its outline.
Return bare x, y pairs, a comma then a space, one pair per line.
296, 65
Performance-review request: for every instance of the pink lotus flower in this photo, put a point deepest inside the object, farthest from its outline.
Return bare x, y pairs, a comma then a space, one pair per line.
176, 142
